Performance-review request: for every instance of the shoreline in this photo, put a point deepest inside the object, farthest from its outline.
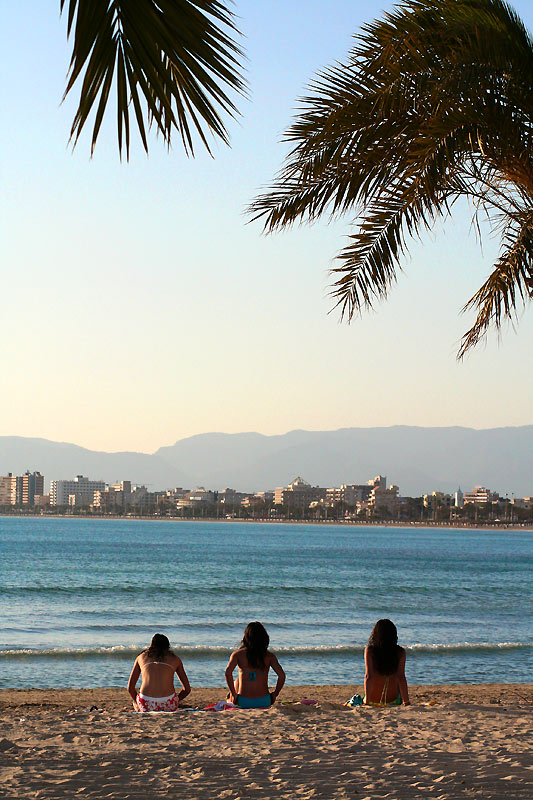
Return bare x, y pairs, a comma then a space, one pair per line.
503, 526
115, 698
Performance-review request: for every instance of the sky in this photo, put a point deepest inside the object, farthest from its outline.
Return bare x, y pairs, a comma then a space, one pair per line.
139, 305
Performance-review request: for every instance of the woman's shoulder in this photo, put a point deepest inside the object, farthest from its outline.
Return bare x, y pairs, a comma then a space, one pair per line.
142, 659
239, 654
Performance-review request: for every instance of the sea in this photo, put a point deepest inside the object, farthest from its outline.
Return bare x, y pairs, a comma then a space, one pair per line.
80, 598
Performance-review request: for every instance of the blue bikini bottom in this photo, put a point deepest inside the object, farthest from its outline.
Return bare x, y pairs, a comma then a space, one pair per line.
254, 702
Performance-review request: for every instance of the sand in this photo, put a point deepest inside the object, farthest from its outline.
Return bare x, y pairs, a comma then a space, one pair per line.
475, 742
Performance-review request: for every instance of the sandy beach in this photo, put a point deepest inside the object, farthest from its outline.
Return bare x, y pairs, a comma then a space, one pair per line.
471, 741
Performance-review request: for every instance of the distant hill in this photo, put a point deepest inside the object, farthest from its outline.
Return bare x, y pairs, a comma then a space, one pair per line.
58, 460
417, 459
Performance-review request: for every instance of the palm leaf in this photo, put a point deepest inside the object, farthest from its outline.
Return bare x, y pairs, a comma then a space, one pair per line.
434, 102
510, 281
175, 61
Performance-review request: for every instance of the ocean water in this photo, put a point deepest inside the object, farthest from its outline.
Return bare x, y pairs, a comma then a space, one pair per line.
80, 598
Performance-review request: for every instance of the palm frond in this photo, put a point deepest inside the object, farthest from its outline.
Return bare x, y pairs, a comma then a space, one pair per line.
511, 281
174, 61
434, 102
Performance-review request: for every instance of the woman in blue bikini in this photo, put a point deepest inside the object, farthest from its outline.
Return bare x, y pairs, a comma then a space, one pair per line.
385, 681
253, 659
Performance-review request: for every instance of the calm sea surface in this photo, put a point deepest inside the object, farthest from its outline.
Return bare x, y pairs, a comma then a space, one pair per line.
80, 598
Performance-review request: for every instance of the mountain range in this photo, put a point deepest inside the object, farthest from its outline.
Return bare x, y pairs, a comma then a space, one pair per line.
417, 459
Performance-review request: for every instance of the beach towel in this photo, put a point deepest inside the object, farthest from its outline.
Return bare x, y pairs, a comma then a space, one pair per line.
222, 705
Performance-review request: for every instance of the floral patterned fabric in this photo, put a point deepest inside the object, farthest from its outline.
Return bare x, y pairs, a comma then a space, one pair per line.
145, 703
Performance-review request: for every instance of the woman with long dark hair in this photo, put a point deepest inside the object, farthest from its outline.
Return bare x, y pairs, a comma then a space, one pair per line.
385, 681
253, 659
156, 665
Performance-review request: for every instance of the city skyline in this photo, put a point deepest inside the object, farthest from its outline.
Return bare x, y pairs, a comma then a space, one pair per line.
440, 458
28, 490
146, 309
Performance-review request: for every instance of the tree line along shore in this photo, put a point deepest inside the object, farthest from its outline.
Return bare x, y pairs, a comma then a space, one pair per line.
367, 523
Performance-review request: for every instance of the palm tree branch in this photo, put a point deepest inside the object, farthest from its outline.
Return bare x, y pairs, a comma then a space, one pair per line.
511, 279
180, 55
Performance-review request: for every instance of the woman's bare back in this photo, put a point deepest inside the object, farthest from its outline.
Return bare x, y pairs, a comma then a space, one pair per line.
252, 681
158, 676
381, 689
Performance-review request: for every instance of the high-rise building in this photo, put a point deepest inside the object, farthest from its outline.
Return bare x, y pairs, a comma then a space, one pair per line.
17, 490
32, 485
79, 491
114, 497
349, 493
379, 480
8, 490
121, 486
382, 499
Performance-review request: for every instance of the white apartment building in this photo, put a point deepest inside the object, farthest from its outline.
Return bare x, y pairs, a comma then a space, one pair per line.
230, 497
480, 496
384, 499
197, 498
349, 493
259, 498
298, 494
79, 491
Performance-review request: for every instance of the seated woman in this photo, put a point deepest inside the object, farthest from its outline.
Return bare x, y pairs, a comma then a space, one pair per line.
156, 665
385, 682
253, 659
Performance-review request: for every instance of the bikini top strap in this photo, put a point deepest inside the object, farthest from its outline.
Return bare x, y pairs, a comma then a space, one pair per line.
251, 669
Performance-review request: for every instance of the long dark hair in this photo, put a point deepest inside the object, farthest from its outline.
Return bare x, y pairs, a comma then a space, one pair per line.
159, 647
255, 641
384, 649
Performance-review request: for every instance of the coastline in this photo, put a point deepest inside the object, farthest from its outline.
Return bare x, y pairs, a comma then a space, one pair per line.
116, 698
505, 526
455, 741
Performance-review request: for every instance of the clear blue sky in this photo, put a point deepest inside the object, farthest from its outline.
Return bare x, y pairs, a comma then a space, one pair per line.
138, 306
